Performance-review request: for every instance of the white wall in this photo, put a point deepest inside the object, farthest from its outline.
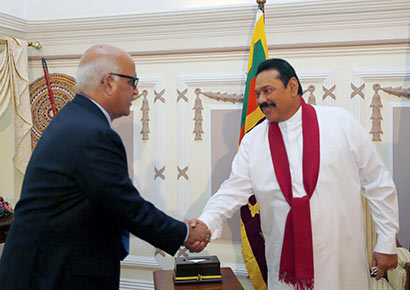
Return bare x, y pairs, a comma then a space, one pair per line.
13, 7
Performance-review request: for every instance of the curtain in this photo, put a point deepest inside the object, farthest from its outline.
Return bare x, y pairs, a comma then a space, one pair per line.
14, 88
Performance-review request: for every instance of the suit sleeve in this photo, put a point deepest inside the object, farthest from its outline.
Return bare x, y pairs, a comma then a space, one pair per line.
103, 176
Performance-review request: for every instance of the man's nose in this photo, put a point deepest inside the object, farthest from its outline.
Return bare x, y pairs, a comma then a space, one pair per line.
136, 91
261, 98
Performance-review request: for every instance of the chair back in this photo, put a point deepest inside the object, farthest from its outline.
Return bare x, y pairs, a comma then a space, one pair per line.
369, 230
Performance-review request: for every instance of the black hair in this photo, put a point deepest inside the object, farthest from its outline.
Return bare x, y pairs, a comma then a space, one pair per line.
285, 70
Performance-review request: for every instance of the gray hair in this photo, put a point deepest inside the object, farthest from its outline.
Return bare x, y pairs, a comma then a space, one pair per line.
90, 75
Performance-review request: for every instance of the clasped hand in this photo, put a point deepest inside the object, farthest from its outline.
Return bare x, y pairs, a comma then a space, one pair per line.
382, 263
199, 235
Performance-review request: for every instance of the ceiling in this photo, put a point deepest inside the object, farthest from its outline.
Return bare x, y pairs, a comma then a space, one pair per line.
51, 9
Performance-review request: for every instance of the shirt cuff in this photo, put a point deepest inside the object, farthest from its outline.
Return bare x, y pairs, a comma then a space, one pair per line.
187, 233
386, 245
212, 225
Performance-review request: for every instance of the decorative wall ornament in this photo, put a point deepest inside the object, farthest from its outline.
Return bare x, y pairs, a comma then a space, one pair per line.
159, 173
158, 96
159, 252
183, 139
311, 97
144, 92
376, 117
329, 92
318, 78
399, 91
183, 252
181, 95
144, 115
182, 172
376, 104
198, 108
373, 75
357, 90
160, 258
224, 97
63, 87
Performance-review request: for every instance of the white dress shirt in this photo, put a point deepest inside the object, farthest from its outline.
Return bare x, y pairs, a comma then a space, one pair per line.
349, 163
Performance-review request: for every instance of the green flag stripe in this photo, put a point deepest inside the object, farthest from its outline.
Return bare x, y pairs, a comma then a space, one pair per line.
258, 57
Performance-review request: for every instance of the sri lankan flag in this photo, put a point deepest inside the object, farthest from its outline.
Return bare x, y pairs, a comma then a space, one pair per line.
253, 244
251, 114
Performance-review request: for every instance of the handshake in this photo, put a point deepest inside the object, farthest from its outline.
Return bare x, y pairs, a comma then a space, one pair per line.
199, 235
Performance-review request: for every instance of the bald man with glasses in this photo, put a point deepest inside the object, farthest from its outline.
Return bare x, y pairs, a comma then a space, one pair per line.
78, 203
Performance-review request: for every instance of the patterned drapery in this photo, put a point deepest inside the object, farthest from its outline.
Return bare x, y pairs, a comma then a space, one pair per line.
14, 88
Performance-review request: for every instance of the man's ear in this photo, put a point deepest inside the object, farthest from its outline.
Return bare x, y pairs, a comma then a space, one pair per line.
109, 84
294, 86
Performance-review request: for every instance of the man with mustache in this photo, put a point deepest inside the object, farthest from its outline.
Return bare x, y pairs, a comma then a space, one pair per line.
307, 167
78, 202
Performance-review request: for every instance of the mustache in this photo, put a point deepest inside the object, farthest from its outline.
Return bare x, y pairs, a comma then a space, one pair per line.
266, 104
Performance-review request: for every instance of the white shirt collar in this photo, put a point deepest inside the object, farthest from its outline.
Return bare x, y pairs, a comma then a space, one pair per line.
292, 121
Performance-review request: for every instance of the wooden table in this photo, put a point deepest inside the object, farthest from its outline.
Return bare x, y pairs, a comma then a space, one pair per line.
4, 227
163, 281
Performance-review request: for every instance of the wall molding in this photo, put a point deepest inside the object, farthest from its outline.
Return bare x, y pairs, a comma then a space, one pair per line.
336, 48
238, 269
215, 107
190, 82
226, 78
227, 28
325, 77
156, 83
222, 21
141, 262
13, 26
182, 103
382, 74
131, 284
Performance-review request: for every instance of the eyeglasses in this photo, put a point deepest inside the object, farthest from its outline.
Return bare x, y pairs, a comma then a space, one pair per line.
134, 79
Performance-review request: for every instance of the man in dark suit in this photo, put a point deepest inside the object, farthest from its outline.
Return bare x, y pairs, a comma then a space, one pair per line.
77, 196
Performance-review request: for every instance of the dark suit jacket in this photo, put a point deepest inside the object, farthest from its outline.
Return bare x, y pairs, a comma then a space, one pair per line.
76, 197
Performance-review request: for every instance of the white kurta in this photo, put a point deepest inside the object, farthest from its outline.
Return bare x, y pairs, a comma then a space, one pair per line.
349, 162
